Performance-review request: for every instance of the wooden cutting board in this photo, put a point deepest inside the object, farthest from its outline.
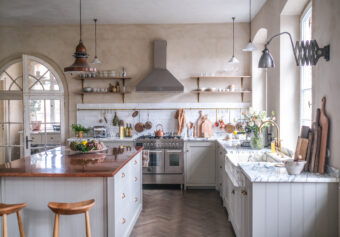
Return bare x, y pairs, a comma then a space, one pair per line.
316, 142
199, 124
207, 128
301, 148
324, 123
309, 150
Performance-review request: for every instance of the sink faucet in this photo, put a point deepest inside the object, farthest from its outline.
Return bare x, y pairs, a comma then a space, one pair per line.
277, 139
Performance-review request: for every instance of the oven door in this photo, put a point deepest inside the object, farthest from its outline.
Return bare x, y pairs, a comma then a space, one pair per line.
156, 162
174, 161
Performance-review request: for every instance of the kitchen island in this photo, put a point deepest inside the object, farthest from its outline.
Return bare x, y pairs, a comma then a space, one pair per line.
113, 179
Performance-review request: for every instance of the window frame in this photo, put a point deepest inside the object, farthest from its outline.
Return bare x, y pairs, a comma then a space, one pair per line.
306, 13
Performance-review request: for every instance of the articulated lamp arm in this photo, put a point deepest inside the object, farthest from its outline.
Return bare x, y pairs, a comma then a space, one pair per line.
291, 41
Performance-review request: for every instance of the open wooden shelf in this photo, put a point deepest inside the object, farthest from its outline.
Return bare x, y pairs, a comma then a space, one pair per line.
220, 92
103, 78
83, 93
198, 92
219, 77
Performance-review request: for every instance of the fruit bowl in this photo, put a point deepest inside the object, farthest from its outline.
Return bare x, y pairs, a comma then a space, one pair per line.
85, 147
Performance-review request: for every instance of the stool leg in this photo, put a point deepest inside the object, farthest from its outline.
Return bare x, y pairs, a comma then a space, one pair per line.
88, 228
21, 228
4, 225
56, 226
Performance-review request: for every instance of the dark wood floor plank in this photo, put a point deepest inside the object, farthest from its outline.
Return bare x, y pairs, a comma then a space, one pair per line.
173, 213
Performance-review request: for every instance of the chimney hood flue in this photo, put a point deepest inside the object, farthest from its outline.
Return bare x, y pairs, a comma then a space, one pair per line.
160, 79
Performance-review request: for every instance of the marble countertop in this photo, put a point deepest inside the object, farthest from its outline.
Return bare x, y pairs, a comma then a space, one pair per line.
267, 172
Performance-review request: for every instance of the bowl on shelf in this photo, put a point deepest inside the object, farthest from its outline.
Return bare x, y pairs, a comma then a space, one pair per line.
87, 89
211, 89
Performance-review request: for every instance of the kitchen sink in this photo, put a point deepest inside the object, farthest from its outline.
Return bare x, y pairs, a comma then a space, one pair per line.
234, 157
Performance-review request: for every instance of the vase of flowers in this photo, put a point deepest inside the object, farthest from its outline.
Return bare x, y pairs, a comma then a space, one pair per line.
253, 120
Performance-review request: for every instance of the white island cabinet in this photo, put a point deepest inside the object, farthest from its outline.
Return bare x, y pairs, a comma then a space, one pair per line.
266, 201
114, 181
200, 164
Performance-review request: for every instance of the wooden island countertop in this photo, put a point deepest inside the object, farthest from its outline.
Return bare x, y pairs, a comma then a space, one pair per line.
59, 163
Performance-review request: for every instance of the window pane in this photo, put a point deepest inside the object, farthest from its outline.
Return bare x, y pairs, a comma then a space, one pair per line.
40, 78
11, 78
37, 109
306, 77
307, 104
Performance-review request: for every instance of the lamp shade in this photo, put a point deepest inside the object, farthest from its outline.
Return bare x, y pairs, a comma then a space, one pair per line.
250, 47
80, 64
96, 60
233, 60
266, 60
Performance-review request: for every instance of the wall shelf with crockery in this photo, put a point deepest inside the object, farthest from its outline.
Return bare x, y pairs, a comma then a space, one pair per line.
200, 90
95, 77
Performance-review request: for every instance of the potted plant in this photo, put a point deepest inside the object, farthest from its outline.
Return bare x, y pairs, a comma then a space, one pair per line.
253, 120
79, 130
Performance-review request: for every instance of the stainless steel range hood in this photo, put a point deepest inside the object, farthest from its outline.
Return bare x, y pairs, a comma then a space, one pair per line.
160, 79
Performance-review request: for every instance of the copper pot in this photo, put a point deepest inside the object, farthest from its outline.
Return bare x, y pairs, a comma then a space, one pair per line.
159, 130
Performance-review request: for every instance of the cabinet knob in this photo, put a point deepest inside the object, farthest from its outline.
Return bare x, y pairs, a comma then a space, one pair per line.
244, 192
136, 199
187, 150
233, 192
123, 175
123, 195
135, 162
220, 166
136, 179
123, 221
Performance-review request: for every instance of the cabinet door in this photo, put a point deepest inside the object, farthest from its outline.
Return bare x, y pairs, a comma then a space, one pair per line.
200, 166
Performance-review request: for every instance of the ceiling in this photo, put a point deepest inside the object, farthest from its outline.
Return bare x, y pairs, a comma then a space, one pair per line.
51, 12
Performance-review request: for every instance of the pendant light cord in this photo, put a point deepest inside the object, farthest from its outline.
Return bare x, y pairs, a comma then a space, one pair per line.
233, 35
249, 20
80, 27
95, 38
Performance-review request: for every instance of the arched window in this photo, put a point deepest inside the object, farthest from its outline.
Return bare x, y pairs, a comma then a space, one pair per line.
306, 71
31, 108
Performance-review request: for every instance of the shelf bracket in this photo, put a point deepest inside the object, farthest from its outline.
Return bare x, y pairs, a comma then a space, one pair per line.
198, 87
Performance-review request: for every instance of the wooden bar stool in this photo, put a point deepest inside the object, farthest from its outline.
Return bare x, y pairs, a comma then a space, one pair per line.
71, 209
6, 209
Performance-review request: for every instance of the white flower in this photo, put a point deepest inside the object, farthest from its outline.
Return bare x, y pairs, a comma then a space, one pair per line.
258, 122
251, 124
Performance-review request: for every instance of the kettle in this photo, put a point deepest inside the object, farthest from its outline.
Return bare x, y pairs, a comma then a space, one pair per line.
159, 131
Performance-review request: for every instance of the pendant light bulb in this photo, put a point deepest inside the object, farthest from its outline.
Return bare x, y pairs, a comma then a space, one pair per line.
233, 59
250, 46
95, 59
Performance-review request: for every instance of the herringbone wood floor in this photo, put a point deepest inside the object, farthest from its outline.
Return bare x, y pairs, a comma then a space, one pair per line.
173, 213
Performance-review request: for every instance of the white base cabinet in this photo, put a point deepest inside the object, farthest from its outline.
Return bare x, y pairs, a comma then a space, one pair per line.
282, 209
200, 166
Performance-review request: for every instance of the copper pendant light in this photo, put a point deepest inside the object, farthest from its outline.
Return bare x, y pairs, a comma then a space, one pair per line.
80, 65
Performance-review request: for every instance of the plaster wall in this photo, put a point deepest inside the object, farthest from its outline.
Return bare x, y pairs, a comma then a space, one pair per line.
192, 49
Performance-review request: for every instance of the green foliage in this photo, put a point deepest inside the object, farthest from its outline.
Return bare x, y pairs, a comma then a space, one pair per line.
79, 128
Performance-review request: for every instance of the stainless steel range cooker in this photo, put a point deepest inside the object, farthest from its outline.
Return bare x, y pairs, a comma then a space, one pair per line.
166, 159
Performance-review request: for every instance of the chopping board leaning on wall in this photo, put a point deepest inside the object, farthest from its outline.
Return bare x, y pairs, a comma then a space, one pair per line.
324, 123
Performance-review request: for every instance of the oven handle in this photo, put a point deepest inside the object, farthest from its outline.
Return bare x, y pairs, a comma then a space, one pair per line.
174, 151
153, 151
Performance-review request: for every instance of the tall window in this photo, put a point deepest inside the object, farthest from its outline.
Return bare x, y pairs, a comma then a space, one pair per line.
306, 71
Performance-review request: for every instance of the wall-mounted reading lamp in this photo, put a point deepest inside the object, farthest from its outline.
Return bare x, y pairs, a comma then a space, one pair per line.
305, 53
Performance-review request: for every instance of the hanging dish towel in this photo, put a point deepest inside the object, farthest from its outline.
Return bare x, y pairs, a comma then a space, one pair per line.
145, 158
